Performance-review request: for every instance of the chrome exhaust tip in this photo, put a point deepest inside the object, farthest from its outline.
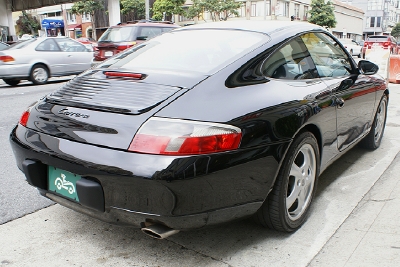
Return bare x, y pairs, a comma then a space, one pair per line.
158, 231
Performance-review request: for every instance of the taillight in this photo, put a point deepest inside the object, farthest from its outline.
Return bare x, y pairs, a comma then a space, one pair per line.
179, 137
123, 46
386, 44
24, 118
7, 58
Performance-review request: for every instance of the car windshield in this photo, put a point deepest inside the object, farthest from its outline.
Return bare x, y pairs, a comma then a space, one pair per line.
119, 34
188, 50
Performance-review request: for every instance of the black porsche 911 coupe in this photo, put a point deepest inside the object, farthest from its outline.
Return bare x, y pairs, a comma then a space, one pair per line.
203, 125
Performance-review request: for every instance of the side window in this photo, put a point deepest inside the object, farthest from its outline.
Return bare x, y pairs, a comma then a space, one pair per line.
47, 45
67, 45
329, 58
290, 62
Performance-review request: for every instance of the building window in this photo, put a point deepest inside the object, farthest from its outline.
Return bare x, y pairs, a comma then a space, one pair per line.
86, 17
305, 12
268, 8
253, 9
372, 22
282, 9
286, 9
71, 18
374, 5
296, 11
378, 21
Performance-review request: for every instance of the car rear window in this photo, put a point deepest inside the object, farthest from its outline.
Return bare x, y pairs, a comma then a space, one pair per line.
378, 38
118, 34
188, 50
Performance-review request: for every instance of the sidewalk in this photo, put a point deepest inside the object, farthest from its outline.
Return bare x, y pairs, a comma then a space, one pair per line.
371, 234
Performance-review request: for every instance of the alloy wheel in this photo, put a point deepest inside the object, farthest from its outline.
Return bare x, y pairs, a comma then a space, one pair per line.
380, 121
301, 182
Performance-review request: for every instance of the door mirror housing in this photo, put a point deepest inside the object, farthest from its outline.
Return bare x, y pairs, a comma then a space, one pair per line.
367, 67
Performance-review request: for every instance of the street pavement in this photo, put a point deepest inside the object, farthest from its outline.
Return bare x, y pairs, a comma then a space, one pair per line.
354, 221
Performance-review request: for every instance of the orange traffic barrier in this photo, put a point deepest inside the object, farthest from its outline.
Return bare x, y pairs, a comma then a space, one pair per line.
394, 69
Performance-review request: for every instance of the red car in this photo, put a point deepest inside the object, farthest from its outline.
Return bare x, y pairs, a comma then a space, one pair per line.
124, 35
386, 41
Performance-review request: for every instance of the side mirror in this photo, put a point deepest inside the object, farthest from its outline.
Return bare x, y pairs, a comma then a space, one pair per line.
367, 67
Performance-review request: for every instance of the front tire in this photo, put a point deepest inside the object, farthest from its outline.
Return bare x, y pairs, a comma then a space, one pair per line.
39, 74
373, 140
12, 82
286, 207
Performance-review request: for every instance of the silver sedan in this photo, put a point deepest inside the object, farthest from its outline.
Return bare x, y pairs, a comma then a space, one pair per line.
39, 59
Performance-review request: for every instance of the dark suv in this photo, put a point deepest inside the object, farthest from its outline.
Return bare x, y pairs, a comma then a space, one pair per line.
124, 35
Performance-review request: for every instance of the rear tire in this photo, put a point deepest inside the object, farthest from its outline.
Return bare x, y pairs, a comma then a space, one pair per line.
286, 207
373, 140
12, 82
39, 74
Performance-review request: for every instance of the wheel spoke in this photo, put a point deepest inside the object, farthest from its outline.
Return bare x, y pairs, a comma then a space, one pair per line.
295, 171
291, 199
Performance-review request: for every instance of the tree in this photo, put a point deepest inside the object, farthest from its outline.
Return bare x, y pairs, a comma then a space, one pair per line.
27, 24
396, 31
322, 14
219, 9
134, 9
165, 9
88, 7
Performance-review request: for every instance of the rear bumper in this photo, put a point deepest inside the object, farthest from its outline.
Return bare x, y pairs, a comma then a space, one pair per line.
130, 188
14, 71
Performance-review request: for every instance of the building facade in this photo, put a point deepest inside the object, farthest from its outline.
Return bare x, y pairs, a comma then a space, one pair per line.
380, 15
349, 21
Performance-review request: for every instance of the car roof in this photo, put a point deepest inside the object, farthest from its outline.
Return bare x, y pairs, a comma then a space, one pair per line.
144, 23
266, 26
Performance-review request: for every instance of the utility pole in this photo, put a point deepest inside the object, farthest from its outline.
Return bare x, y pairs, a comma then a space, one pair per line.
147, 9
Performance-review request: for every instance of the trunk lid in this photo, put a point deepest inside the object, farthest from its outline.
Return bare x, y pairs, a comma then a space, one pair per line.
105, 111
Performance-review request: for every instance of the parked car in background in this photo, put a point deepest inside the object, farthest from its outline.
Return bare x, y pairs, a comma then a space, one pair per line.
39, 59
25, 37
385, 41
203, 125
3, 46
124, 35
354, 48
